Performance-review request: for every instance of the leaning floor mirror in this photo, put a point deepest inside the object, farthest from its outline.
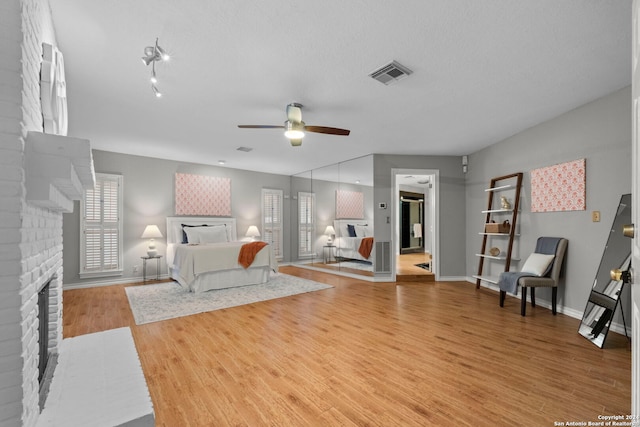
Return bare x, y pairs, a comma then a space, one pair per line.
604, 297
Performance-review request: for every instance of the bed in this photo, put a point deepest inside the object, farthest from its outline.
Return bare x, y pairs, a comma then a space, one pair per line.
353, 247
202, 254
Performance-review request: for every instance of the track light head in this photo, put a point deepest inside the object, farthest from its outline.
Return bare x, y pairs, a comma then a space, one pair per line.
152, 55
162, 54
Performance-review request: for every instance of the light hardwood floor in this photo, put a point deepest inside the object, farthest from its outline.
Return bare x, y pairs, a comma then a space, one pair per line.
362, 353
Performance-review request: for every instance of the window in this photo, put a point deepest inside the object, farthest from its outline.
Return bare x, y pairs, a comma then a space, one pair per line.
272, 219
101, 228
306, 225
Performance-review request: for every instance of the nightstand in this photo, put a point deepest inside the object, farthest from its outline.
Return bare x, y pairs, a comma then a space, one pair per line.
328, 253
144, 266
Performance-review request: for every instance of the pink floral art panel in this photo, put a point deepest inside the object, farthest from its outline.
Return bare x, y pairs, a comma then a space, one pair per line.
560, 187
349, 204
203, 195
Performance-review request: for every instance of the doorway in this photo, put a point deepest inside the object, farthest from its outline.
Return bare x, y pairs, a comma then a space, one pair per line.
411, 222
414, 219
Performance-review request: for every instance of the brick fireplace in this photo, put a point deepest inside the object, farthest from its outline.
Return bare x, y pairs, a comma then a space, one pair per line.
40, 176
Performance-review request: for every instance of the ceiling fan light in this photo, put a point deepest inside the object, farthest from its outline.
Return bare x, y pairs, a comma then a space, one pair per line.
296, 142
294, 131
294, 134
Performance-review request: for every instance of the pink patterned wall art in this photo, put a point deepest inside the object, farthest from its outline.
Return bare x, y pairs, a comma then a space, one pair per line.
349, 204
560, 187
203, 195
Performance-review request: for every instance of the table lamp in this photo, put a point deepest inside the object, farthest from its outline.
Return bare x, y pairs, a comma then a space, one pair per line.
151, 232
330, 231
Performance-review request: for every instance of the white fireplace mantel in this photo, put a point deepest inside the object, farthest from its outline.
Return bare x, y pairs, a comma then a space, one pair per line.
58, 170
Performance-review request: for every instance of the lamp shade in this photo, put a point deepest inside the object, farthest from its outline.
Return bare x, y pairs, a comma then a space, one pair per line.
253, 232
151, 232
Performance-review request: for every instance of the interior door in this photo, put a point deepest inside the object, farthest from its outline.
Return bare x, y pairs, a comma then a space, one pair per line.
635, 191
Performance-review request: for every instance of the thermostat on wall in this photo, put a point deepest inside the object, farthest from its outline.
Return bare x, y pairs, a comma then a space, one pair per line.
382, 205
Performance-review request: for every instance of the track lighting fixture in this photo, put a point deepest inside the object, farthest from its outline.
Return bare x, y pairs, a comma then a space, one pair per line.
153, 54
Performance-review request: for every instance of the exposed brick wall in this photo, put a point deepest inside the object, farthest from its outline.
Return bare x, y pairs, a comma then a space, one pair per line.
30, 237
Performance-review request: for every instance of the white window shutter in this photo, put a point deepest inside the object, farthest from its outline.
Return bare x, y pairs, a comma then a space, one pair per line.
101, 228
272, 219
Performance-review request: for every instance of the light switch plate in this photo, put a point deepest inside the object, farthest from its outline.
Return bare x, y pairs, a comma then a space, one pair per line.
595, 216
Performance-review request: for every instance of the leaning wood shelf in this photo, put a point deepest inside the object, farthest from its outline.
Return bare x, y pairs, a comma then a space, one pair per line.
512, 183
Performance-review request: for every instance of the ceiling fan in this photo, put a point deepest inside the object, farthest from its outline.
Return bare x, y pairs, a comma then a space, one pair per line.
295, 128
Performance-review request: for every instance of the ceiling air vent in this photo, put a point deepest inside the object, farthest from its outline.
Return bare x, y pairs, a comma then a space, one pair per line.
245, 149
390, 73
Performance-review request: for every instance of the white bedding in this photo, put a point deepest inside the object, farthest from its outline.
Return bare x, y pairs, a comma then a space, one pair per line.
346, 246
192, 261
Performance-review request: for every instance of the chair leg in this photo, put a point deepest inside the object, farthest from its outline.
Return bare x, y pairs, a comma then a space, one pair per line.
533, 297
523, 302
554, 299
503, 294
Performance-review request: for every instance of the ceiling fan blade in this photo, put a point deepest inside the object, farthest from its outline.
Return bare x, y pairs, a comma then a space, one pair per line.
260, 127
329, 130
294, 112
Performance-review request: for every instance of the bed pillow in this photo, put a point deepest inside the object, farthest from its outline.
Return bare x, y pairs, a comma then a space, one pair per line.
216, 234
184, 233
361, 230
537, 264
351, 229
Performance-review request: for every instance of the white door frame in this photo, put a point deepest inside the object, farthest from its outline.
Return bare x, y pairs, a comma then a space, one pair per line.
434, 201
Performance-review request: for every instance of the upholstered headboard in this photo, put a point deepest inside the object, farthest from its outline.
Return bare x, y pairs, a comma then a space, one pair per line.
340, 225
174, 230
174, 226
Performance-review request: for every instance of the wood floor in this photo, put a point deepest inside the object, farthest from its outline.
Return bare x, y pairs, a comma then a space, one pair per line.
406, 268
363, 353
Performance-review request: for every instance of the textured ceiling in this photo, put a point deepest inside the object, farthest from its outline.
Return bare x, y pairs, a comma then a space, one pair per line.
482, 71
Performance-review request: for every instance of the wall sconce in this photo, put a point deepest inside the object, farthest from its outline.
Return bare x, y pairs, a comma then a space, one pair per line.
330, 231
465, 163
151, 232
253, 232
153, 54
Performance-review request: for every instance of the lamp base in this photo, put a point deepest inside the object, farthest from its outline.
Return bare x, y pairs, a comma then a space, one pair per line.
152, 253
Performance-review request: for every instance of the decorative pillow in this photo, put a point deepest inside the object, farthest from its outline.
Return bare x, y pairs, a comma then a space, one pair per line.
344, 230
352, 230
361, 230
216, 234
184, 234
537, 264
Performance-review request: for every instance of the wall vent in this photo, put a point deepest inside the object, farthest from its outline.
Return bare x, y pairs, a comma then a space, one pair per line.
390, 73
383, 257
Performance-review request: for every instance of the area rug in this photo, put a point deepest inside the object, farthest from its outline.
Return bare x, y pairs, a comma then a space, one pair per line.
153, 303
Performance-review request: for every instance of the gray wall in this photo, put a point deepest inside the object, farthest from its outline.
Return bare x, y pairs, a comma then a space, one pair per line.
451, 206
149, 199
600, 132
